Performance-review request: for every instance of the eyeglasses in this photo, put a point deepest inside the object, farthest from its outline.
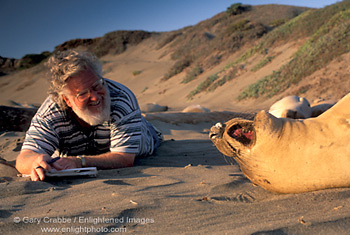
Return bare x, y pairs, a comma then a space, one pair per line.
85, 94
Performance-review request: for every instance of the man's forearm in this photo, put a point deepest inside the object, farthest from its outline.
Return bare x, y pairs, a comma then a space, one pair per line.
109, 160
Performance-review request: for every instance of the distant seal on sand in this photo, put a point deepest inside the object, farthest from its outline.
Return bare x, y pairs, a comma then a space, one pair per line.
290, 156
153, 108
319, 106
196, 108
291, 107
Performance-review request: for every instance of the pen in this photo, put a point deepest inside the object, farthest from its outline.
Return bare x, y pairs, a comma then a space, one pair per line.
51, 161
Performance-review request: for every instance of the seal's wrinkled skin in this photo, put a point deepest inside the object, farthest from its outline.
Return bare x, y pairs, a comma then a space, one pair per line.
290, 156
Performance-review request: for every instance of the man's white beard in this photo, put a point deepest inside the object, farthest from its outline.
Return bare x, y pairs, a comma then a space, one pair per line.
94, 119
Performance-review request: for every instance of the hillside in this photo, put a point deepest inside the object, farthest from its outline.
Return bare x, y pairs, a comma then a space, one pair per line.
243, 59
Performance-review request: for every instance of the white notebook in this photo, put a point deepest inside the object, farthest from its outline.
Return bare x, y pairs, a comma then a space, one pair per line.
86, 171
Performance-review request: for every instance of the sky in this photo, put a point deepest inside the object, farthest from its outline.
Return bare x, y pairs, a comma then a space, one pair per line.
34, 26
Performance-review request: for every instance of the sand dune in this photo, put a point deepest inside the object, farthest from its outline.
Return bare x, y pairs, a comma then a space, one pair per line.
187, 187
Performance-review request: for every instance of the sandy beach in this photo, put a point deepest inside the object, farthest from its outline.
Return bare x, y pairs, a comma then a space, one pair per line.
187, 187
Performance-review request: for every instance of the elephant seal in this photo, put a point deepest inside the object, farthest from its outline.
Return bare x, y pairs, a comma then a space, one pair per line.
291, 107
290, 156
153, 108
196, 108
319, 106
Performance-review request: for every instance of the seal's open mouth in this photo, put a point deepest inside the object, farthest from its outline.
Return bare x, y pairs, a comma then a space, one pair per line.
243, 133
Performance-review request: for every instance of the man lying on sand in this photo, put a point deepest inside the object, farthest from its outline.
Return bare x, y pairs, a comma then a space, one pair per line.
92, 121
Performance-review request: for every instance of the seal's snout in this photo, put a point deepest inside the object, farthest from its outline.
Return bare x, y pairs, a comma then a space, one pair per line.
217, 131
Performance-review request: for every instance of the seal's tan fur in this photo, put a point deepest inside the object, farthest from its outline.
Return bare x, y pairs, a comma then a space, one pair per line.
292, 156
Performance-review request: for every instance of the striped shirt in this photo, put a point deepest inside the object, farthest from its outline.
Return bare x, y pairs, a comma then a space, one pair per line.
126, 132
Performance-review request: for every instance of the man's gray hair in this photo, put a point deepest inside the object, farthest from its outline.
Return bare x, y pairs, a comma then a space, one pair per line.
66, 64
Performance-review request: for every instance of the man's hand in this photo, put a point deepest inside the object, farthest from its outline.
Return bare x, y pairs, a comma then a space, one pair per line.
66, 163
35, 164
39, 166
